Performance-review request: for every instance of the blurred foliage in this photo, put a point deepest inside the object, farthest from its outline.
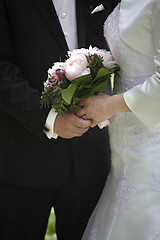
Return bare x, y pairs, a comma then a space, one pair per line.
51, 229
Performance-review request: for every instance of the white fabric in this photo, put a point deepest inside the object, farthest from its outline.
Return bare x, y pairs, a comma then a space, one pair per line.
129, 208
135, 24
140, 29
98, 9
66, 11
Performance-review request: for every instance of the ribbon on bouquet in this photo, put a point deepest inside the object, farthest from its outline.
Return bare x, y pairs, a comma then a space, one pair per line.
104, 124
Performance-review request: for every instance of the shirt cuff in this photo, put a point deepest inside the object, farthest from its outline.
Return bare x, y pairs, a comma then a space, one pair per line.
49, 125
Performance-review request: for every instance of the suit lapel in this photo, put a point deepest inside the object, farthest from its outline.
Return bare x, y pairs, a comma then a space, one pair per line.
82, 12
47, 12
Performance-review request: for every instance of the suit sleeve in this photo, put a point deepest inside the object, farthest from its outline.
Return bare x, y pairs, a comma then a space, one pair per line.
17, 98
144, 100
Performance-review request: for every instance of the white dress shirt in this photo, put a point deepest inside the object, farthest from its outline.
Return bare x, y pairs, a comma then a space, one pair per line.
66, 11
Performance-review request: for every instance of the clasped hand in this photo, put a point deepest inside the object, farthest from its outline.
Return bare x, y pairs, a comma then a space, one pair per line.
97, 108
70, 125
102, 107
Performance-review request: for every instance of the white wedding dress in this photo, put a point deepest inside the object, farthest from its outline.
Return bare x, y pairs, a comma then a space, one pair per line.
129, 208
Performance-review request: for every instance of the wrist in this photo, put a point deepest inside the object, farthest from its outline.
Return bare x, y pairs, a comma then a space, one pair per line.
119, 104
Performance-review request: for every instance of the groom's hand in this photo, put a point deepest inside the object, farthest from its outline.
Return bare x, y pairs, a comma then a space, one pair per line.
69, 125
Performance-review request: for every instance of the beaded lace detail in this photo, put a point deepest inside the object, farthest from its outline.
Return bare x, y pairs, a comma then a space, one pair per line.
93, 234
122, 196
155, 235
130, 61
156, 182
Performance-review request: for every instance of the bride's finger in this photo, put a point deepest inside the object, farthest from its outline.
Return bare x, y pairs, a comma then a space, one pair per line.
84, 102
81, 112
80, 103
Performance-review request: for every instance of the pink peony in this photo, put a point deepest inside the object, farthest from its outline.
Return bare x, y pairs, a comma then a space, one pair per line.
75, 66
112, 64
106, 55
78, 51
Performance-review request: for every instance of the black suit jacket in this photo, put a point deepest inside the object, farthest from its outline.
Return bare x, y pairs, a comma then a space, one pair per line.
31, 40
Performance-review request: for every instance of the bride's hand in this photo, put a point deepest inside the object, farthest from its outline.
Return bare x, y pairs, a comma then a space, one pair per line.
101, 107
95, 108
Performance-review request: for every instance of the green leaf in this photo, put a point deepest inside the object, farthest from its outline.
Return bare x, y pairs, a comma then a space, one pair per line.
102, 73
86, 93
68, 93
101, 86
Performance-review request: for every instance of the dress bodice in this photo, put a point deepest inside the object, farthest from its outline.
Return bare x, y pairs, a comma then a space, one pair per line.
125, 127
132, 63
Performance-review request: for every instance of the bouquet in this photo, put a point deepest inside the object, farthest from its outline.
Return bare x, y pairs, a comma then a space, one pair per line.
84, 73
